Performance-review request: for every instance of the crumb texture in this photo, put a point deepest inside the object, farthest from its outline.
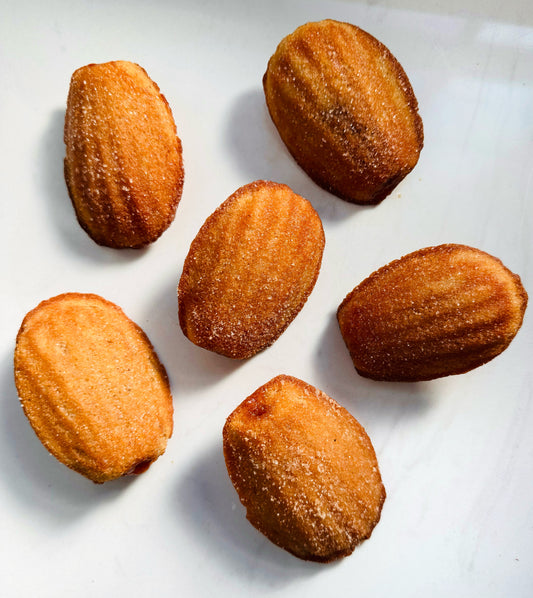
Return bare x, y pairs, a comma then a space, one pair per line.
305, 470
92, 386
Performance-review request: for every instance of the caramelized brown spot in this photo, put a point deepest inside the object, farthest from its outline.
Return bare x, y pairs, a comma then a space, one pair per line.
257, 409
141, 467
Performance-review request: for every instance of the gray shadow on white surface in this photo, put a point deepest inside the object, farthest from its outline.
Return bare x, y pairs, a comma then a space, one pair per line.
259, 152
210, 507
188, 366
46, 487
51, 155
368, 399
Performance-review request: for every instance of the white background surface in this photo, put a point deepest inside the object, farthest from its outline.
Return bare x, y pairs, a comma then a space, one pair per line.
456, 455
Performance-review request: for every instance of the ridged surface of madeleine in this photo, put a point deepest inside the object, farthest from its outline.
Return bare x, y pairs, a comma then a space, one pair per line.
305, 470
438, 311
123, 165
250, 270
345, 109
92, 386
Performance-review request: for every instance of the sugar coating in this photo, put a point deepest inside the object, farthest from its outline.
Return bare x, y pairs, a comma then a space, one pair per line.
123, 166
345, 108
92, 386
305, 470
250, 269
438, 311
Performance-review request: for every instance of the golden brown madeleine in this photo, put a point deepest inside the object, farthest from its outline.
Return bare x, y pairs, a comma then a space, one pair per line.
123, 165
250, 270
92, 386
345, 109
305, 470
435, 312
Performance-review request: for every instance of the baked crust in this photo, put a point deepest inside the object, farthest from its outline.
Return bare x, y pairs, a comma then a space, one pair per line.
305, 470
92, 386
123, 165
250, 270
345, 109
435, 312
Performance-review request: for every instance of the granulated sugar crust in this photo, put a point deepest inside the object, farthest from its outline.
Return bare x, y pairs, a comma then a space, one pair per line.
438, 311
345, 109
92, 386
123, 165
250, 270
305, 470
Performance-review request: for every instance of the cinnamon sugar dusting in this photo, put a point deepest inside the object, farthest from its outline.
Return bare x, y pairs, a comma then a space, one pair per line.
123, 165
305, 470
436, 312
345, 108
250, 270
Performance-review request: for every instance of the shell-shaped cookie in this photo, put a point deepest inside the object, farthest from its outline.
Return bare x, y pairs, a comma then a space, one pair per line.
345, 109
92, 386
435, 312
123, 165
250, 270
305, 470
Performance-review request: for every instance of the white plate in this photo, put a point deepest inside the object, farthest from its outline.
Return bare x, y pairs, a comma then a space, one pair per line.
456, 454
